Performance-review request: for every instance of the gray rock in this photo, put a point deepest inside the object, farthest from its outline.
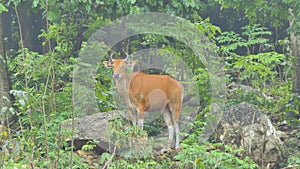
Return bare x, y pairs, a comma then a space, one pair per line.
245, 126
91, 128
97, 128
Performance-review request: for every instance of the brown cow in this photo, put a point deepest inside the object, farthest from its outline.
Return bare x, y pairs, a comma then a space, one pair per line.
148, 93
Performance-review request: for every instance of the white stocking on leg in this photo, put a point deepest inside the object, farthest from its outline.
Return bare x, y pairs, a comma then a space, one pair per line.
141, 123
176, 146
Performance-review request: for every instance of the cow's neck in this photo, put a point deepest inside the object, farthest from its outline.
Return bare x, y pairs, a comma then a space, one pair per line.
121, 85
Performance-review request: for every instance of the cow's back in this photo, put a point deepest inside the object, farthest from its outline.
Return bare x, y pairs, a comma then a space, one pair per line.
153, 92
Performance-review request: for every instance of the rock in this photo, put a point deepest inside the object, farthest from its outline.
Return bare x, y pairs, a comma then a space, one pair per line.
91, 128
245, 126
97, 128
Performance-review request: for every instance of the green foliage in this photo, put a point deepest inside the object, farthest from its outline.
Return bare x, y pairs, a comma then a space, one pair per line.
203, 85
260, 11
260, 69
3, 8
205, 26
36, 82
196, 156
138, 163
130, 139
33, 145
103, 89
294, 160
230, 40
42, 103
263, 79
89, 146
268, 73
105, 156
252, 35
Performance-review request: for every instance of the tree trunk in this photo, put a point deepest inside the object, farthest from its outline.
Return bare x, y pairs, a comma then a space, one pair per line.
295, 51
31, 24
5, 98
8, 31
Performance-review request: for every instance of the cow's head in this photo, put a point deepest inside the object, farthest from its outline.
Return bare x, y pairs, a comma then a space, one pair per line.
119, 66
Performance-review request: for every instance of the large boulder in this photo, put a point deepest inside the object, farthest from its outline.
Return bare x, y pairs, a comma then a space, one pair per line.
112, 137
91, 128
247, 127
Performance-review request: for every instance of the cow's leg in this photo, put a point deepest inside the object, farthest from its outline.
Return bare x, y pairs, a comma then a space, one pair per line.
168, 119
132, 114
176, 146
175, 109
141, 117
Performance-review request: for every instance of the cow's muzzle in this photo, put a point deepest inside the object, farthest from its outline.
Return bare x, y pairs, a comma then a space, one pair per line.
116, 76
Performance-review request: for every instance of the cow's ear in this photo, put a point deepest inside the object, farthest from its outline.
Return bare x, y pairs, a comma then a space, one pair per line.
131, 63
108, 64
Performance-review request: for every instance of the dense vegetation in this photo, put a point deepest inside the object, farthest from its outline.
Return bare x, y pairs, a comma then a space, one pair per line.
41, 42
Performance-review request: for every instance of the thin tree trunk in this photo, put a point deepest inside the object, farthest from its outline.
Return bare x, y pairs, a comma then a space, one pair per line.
5, 98
295, 51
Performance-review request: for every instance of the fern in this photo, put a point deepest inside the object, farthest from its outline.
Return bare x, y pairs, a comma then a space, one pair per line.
252, 35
